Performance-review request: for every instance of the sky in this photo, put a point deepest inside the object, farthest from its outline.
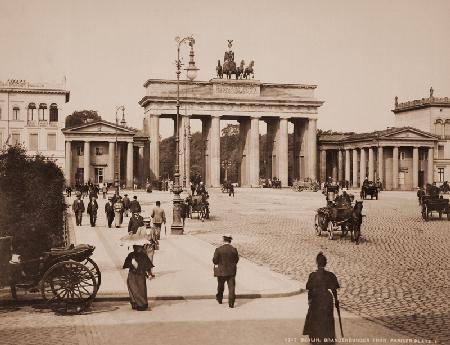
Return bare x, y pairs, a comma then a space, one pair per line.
360, 54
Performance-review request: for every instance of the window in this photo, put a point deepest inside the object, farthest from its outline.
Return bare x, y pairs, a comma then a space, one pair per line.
441, 174
80, 150
98, 175
53, 112
99, 151
33, 144
31, 109
15, 139
16, 111
42, 108
440, 152
51, 142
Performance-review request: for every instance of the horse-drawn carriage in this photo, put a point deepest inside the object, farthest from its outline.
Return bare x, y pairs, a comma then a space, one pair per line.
341, 215
67, 278
369, 188
276, 183
198, 204
431, 202
331, 191
226, 187
305, 184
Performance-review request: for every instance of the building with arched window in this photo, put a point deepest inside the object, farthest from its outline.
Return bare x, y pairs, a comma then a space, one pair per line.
30, 117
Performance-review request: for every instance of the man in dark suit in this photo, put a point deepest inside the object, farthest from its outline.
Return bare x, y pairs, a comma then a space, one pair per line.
136, 221
135, 206
78, 208
226, 258
109, 210
92, 210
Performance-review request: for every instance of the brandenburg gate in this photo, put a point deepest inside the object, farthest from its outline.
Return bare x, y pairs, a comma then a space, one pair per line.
248, 101
243, 99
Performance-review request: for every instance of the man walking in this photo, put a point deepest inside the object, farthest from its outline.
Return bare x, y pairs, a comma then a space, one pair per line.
78, 209
135, 206
136, 221
126, 204
104, 189
159, 217
92, 210
226, 258
109, 210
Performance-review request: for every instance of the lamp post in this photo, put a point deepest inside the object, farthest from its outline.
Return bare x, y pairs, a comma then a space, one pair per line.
177, 225
226, 164
116, 153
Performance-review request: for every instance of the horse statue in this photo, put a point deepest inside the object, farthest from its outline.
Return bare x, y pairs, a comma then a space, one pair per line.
249, 70
240, 70
219, 70
229, 68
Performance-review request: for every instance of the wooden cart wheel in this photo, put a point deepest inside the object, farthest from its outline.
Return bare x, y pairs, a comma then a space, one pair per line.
92, 265
424, 212
330, 230
317, 225
69, 286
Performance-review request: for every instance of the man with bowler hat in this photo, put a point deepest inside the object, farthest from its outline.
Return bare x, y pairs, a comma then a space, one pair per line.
78, 209
225, 262
109, 210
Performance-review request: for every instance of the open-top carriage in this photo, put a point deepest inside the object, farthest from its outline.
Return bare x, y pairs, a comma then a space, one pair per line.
340, 215
305, 184
198, 204
431, 202
371, 189
67, 278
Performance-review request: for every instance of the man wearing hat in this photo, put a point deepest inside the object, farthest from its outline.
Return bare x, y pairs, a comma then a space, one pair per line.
109, 210
126, 204
136, 221
92, 210
134, 205
78, 208
226, 258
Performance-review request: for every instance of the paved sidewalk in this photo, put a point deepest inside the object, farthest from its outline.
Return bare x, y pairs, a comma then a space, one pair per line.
183, 265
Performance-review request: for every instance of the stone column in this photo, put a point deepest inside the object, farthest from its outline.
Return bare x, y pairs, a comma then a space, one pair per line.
371, 164
283, 154
299, 149
340, 166
380, 164
395, 168
323, 165
347, 165
430, 166
154, 146
68, 168
355, 168
254, 150
362, 166
312, 135
111, 160
275, 147
215, 151
334, 167
206, 134
269, 148
129, 180
304, 169
86, 161
244, 133
141, 172
415, 169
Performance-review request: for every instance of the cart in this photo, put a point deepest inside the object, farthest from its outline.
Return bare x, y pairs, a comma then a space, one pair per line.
67, 278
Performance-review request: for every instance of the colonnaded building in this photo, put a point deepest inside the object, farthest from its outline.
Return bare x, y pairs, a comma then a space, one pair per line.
414, 152
32, 114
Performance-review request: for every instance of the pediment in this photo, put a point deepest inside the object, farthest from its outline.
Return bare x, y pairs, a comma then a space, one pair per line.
410, 133
100, 128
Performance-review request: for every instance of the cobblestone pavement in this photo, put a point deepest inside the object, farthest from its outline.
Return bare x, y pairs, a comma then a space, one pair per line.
398, 275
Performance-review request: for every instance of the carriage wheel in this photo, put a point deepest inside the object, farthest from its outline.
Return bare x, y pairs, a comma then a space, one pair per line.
330, 230
91, 264
424, 212
317, 225
69, 286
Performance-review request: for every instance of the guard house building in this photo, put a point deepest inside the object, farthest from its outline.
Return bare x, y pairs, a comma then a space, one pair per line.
414, 152
98, 151
32, 114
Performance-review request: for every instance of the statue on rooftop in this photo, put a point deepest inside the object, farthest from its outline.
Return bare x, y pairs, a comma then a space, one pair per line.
431, 92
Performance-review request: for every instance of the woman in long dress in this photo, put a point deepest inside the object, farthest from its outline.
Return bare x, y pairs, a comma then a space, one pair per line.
319, 323
139, 266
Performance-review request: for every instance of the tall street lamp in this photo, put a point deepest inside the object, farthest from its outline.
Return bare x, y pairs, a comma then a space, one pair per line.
177, 225
116, 153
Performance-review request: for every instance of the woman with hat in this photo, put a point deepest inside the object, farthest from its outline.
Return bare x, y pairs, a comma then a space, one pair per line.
139, 266
319, 323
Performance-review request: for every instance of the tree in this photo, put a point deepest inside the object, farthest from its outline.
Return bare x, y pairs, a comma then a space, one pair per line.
79, 117
230, 130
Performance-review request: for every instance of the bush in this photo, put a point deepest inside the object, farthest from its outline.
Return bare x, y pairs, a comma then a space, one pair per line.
32, 203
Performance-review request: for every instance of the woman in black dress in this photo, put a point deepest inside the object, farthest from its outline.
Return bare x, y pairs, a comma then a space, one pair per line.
319, 323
